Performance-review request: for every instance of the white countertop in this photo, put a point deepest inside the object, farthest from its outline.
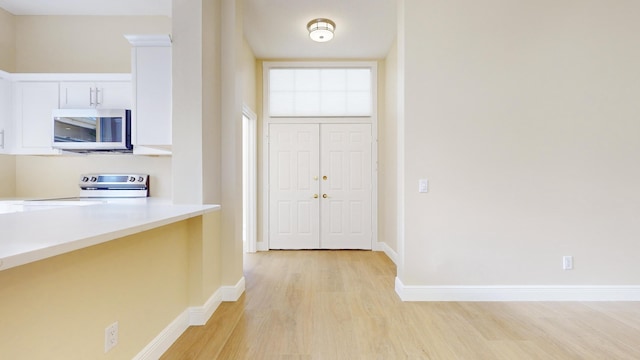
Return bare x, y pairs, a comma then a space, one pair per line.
28, 236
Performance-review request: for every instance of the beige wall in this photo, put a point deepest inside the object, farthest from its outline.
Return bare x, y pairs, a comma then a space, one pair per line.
231, 144
62, 305
524, 118
387, 154
80, 44
7, 41
207, 113
196, 104
7, 176
73, 41
248, 75
57, 176
249, 71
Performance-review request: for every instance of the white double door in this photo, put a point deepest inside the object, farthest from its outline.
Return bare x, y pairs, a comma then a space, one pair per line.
320, 186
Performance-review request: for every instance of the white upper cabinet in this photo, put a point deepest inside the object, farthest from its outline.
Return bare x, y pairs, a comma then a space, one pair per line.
33, 104
101, 95
35, 96
151, 77
5, 114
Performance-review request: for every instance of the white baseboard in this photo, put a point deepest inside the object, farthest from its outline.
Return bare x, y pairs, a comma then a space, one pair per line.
192, 316
233, 293
391, 254
199, 315
517, 293
165, 339
262, 246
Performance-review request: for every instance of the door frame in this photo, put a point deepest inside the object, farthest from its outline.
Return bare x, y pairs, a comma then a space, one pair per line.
250, 176
263, 245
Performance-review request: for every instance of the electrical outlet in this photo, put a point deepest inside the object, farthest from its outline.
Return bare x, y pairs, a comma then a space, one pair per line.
567, 262
110, 336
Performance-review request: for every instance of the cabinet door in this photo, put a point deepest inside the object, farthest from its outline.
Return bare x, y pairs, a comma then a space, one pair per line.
152, 76
34, 103
87, 95
113, 95
77, 95
5, 115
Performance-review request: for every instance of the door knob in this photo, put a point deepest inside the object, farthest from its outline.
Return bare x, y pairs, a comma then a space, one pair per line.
315, 196
315, 178
324, 177
324, 196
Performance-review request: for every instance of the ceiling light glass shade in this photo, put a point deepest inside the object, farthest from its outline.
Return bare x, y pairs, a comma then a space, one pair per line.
321, 30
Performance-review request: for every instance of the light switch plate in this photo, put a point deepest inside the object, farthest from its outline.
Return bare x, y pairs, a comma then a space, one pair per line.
423, 185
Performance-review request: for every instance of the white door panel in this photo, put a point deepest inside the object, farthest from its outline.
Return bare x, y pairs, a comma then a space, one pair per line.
333, 161
293, 173
345, 164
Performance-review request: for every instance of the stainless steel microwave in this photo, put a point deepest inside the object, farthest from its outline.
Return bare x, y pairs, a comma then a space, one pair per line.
86, 130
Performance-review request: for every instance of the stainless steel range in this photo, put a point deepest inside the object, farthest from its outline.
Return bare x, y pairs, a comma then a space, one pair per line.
114, 185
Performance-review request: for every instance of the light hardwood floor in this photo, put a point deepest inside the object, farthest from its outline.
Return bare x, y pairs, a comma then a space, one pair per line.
342, 305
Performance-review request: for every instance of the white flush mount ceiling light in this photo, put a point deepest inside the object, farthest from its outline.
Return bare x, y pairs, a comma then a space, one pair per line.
321, 30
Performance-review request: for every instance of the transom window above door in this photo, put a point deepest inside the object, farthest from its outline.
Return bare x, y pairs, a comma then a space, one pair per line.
320, 92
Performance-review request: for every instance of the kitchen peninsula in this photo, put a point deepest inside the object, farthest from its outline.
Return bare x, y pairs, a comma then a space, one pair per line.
69, 272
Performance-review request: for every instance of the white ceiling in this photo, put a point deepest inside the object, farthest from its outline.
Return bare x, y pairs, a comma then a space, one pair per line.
275, 29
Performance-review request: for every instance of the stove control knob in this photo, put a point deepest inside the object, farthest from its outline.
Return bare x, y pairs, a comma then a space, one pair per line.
132, 179
140, 179
85, 179
94, 179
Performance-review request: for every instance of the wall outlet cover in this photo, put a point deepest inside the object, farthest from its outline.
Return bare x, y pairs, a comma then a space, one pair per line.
110, 336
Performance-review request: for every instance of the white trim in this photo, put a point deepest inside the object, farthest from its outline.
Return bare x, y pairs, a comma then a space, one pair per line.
264, 214
517, 293
192, 316
149, 40
199, 315
165, 339
391, 254
374, 154
70, 77
250, 204
262, 246
5, 75
319, 120
233, 293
